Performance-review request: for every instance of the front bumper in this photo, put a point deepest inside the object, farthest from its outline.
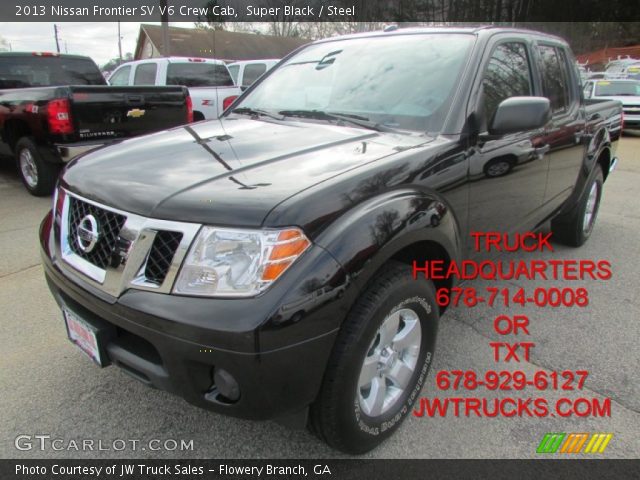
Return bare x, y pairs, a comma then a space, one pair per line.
174, 343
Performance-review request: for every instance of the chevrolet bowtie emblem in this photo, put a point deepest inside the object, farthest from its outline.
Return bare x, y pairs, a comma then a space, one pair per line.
135, 113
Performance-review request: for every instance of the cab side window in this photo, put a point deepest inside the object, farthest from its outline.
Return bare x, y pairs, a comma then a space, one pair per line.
252, 72
588, 87
120, 77
554, 78
145, 74
508, 74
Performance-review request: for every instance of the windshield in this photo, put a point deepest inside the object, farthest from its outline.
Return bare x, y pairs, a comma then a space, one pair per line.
397, 81
38, 71
610, 88
198, 75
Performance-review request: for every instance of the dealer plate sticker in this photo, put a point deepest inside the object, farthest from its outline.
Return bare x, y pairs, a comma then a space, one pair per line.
83, 335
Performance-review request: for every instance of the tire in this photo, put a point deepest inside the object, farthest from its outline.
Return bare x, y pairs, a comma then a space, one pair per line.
38, 176
575, 227
498, 167
347, 414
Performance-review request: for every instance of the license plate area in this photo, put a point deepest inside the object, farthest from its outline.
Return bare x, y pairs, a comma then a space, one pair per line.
89, 336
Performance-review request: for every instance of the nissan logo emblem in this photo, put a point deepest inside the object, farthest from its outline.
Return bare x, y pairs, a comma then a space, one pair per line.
88, 233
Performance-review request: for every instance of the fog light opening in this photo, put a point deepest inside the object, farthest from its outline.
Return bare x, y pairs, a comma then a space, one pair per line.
225, 388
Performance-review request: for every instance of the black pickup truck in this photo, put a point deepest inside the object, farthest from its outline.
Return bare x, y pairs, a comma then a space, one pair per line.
260, 265
54, 107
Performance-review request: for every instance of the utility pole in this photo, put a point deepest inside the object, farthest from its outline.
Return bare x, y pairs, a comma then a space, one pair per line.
55, 31
119, 43
165, 27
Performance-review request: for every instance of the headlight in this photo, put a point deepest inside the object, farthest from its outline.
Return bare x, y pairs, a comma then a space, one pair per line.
238, 263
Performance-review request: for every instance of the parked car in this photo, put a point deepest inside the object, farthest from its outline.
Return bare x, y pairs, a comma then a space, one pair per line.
209, 81
261, 266
626, 92
54, 107
623, 68
248, 71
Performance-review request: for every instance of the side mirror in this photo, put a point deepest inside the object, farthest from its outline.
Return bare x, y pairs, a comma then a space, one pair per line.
519, 114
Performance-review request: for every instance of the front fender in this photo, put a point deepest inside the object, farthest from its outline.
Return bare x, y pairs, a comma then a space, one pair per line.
370, 234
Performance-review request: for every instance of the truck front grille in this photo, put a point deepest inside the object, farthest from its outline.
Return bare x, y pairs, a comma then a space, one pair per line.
161, 255
108, 225
116, 250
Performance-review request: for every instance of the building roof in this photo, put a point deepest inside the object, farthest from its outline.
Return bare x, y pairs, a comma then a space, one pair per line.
220, 44
603, 56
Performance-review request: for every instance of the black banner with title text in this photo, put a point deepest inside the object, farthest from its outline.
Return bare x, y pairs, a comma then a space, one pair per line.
220, 11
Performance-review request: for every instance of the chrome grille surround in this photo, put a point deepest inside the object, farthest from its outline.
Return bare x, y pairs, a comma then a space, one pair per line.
134, 243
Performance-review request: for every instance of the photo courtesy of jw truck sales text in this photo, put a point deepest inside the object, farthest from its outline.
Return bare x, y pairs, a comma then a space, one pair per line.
322, 239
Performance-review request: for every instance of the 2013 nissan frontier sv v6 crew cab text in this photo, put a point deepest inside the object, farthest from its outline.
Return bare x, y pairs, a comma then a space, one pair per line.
260, 265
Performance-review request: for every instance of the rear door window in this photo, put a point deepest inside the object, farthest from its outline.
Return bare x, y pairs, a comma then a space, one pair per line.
145, 74
554, 78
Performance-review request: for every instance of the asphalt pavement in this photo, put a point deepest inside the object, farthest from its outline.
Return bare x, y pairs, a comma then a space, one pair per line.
51, 388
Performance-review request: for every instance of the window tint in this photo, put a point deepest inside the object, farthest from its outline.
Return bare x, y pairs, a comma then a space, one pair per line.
508, 75
145, 74
252, 72
120, 77
233, 70
198, 75
17, 71
554, 79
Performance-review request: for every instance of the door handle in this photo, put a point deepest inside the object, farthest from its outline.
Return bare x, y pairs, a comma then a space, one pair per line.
134, 99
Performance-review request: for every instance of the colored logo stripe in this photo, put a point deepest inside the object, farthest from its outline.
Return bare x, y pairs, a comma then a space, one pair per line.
574, 443
598, 442
550, 442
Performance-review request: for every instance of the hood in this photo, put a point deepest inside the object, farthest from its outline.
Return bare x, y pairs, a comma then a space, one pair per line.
225, 172
626, 100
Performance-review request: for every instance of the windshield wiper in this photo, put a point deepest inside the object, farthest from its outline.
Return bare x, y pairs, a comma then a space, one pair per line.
341, 117
255, 112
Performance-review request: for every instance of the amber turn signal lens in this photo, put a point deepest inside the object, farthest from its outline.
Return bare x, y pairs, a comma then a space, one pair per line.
288, 235
288, 246
289, 249
273, 270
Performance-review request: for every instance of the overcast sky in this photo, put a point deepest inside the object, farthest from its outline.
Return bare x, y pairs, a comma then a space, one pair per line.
98, 40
